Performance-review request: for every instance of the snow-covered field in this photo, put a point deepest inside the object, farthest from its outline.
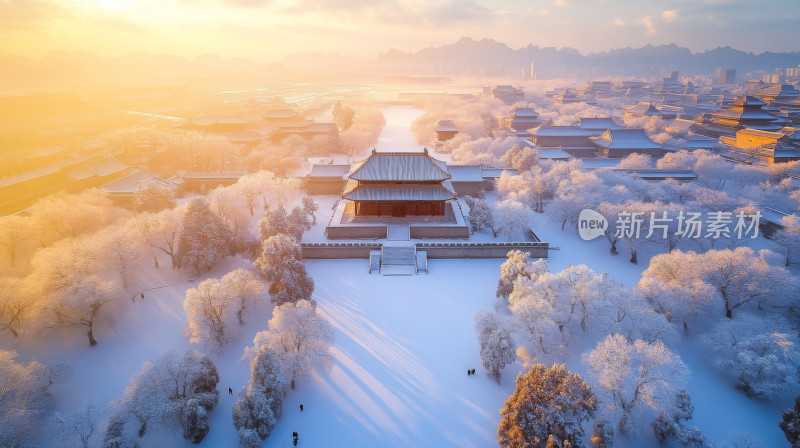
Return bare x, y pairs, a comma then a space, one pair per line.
402, 348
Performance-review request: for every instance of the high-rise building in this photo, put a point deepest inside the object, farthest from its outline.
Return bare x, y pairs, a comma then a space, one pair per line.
533, 70
727, 76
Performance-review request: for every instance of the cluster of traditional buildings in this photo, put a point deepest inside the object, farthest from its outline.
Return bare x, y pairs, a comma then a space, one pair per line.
52, 169
709, 118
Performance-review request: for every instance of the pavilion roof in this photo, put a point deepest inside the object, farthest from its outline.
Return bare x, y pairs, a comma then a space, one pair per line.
374, 193
400, 166
625, 139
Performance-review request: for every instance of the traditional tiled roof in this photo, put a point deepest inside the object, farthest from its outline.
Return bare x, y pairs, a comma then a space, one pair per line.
749, 101
470, 173
374, 193
446, 126
139, 178
523, 112
400, 167
329, 171
559, 131
625, 139
643, 108
596, 123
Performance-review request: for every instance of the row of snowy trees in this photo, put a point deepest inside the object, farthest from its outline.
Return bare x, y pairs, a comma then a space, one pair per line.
297, 342
174, 391
71, 262
636, 378
565, 189
26, 403
474, 119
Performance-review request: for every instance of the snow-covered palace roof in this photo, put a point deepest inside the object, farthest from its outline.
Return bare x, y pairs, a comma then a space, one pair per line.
625, 139
400, 167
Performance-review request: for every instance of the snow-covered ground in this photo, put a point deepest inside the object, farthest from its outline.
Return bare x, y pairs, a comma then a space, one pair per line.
719, 407
402, 348
396, 135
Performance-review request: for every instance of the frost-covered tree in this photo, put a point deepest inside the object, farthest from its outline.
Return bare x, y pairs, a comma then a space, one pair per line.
298, 222
635, 380
210, 312
76, 428
790, 423
114, 437
63, 215
121, 248
603, 434
636, 161
153, 198
616, 309
521, 159
547, 403
734, 278
194, 420
310, 207
15, 230
497, 344
275, 222
518, 264
540, 320
263, 188
25, 400
789, 235
245, 287
169, 393
231, 208
16, 305
669, 425
579, 190
162, 231
760, 353
480, 214
300, 337
511, 219
281, 264
84, 303
260, 403
740, 276
205, 236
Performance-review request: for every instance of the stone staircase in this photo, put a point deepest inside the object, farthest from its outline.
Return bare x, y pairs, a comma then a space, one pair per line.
398, 259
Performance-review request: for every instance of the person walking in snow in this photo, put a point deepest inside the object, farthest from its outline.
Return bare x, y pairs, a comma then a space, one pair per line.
473, 371
230, 391
301, 407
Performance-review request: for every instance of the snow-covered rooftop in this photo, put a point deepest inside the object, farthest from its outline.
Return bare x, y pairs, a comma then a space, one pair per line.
625, 139
597, 123
446, 126
400, 166
471, 173
329, 171
559, 131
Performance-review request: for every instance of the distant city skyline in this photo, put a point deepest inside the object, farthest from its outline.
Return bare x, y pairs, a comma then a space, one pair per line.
271, 29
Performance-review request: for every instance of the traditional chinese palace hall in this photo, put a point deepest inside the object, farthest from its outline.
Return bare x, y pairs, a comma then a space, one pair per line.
399, 184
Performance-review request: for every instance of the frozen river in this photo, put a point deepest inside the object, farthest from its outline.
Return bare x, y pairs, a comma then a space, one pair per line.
396, 136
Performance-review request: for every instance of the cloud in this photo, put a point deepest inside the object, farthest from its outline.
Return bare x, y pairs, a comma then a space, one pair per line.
670, 15
647, 22
24, 13
619, 22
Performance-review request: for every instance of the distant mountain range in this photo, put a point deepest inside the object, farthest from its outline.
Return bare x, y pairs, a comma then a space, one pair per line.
467, 56
469, 53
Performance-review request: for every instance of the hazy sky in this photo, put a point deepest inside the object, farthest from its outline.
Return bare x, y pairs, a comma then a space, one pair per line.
269, 29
